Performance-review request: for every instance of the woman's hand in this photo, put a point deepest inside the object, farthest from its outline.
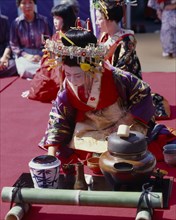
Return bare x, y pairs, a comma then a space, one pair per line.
36, 58
52, 150
31, 58
4, 62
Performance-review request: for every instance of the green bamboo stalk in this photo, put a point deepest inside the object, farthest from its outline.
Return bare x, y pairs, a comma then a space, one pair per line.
82, 198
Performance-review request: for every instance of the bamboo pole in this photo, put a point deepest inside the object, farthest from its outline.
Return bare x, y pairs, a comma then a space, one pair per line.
17, 212
82, 198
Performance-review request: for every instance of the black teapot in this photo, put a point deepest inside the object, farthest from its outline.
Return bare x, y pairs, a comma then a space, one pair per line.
127, 160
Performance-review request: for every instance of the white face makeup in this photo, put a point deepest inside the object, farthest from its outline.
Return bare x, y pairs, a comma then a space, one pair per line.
101, 21
75, 75
58, 22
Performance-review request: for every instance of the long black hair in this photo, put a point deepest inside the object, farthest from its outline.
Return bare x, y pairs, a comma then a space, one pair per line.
115, 13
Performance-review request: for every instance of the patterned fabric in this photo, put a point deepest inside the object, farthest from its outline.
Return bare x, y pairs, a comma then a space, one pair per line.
125, 56
168, 25
27, 35
163, 110
61, 122
135, 95
159, 4
135, 99
168, 31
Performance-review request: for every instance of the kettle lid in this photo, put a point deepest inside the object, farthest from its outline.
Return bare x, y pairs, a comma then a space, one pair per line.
126, 141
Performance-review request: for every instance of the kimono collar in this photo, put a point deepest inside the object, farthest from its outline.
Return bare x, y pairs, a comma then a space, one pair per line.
106, 95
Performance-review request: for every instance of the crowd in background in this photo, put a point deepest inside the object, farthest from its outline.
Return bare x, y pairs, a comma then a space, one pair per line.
77, 86
12, 11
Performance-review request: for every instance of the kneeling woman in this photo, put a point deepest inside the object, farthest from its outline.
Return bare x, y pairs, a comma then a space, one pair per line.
96, 98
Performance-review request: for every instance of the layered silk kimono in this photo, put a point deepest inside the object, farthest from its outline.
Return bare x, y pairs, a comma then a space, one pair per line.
117, 97
122, 51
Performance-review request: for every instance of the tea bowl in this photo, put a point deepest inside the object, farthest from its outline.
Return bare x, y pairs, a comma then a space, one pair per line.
170, 154
93, 164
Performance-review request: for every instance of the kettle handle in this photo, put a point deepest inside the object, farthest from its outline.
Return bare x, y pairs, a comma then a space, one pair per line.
123, 167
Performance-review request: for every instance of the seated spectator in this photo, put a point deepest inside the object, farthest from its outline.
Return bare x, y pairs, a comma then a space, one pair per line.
47, 80
26, 40
7, 63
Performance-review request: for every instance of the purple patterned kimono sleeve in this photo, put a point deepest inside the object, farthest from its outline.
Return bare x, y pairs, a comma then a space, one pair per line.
136, 95
61, 123
140, 100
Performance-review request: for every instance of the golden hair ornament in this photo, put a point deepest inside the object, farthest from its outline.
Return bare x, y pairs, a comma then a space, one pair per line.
90, 55
85, 67
106, 4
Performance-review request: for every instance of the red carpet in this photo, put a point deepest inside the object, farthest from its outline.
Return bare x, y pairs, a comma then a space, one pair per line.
164, 84
23, 123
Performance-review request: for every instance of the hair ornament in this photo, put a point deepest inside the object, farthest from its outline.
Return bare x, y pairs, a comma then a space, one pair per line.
86, 57
85, 67
104, 5
78, 25
88, 24
66, 38
112, 3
